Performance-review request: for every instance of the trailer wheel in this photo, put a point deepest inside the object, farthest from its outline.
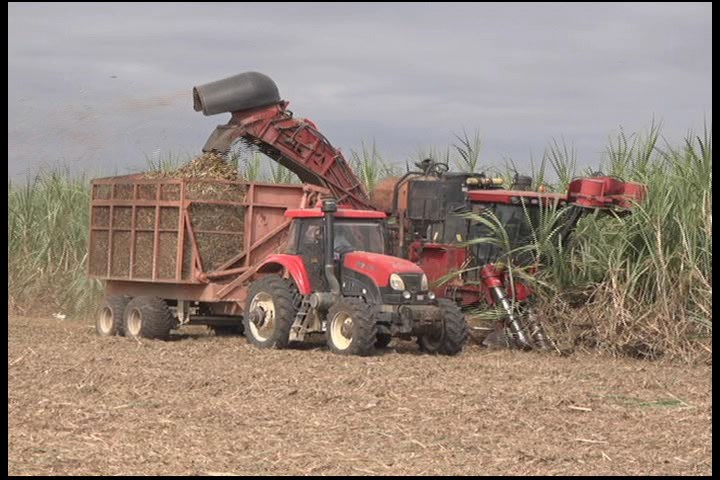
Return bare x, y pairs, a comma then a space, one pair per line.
351, 328
148, 317
109, 321
450, 339
269, 312
382, 340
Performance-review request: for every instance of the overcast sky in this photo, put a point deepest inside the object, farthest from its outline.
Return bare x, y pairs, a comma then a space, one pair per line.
101, 87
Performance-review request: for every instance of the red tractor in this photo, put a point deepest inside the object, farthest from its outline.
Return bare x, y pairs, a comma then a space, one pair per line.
341, 282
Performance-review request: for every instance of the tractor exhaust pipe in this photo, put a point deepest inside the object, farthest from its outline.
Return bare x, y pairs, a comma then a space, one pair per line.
329, 207
239, 92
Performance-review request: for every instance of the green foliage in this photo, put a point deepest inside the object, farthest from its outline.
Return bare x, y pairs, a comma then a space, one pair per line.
468, 152
47, 245
165, 163
369, 166
644, 278
280, 174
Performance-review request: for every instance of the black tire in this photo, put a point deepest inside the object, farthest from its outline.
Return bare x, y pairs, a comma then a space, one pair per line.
148, 317
111, 317
227, 330
273, 292
450, 339
382, 340
360, 333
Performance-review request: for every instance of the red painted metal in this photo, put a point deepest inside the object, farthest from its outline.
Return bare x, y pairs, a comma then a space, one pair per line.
156, 238
225, 273
439, 262
444, 264
341, 213
293, 265
491, 275
181, 235
196, 261
591, 192
518, 290
514, 196
379, 267
604, 192
296, 144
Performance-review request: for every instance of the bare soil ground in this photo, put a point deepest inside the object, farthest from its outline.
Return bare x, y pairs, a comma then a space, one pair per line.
205, 405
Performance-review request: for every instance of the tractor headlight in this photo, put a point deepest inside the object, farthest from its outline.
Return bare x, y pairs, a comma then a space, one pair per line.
424, 283
396, 283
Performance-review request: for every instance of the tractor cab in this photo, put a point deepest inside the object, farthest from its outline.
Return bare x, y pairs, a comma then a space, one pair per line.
353, 243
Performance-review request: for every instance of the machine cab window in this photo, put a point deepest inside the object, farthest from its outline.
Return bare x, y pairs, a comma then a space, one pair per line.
306, 236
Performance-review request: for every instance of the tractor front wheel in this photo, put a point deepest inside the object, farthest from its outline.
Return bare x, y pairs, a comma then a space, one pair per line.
450, 335
351, 328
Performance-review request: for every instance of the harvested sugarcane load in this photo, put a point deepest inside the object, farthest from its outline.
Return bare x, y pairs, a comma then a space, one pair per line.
205, 166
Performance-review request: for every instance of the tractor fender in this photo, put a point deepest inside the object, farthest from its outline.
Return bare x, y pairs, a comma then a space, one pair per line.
293, 265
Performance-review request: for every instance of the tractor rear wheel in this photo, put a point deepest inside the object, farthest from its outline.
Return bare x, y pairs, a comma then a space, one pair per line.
450, 338
109, 321
351, 328
148, 317
270, 312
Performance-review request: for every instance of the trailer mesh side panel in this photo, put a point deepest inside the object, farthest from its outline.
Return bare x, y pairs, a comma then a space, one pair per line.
147, 191
120, 266
101, 217
175, 230
169, 218
167, 253
142, 269
145, 218
98, 253
122, 217
219, 232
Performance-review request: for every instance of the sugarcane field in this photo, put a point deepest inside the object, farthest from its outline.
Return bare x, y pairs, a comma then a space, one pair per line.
360, 239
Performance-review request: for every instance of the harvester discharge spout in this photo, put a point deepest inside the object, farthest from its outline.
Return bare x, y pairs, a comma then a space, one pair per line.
261, 120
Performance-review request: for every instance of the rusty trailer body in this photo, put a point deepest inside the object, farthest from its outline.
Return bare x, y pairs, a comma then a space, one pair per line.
187, 239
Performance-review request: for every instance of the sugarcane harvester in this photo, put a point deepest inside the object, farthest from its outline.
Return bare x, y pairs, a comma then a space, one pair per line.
425, 207
432, 208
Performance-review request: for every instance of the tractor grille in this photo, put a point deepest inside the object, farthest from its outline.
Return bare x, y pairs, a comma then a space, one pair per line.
412, 282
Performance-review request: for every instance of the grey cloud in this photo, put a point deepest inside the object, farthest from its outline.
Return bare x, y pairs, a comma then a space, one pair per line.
405, 75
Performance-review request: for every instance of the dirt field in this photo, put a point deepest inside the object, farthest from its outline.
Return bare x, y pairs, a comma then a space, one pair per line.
205, 405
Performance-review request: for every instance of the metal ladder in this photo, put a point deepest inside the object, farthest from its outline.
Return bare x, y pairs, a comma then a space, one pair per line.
297, 330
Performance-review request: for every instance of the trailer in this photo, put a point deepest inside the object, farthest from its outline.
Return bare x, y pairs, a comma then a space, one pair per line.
193, 242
